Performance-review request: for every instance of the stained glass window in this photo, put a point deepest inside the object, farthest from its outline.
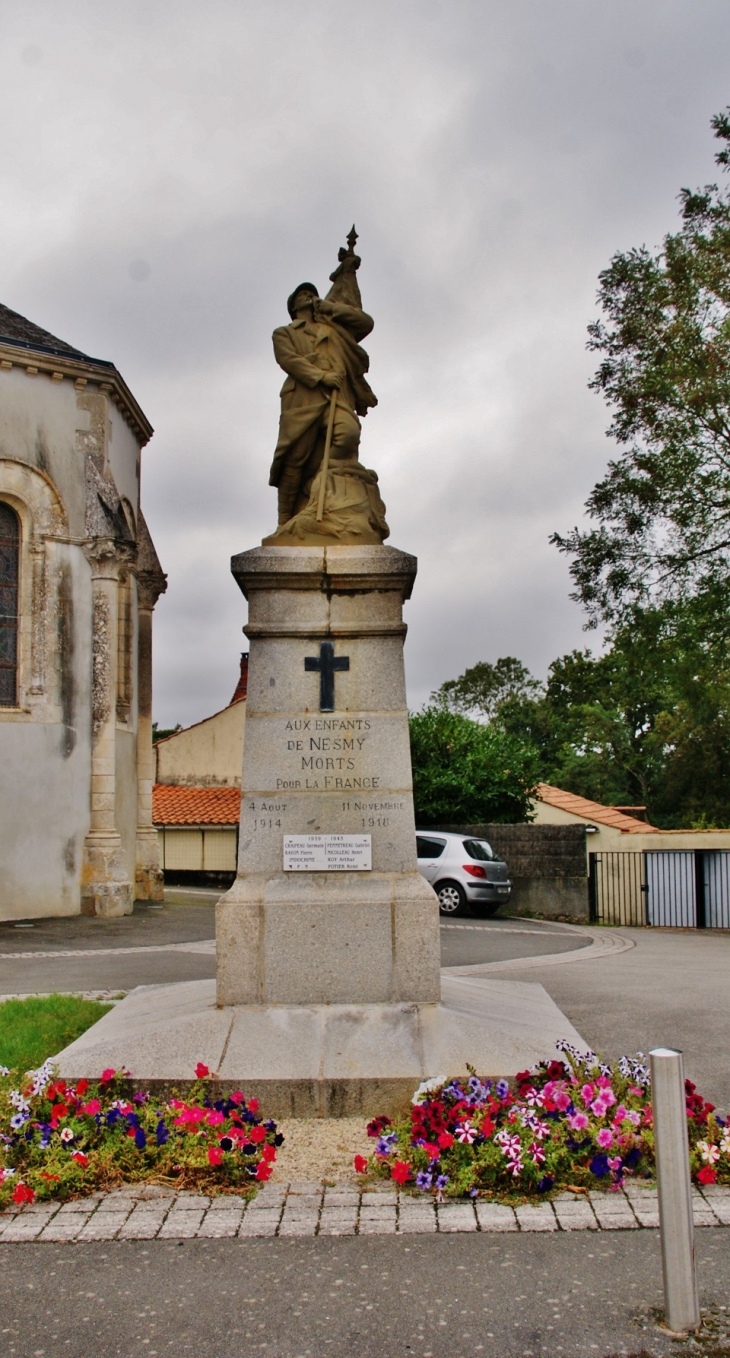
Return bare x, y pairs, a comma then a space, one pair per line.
9, 549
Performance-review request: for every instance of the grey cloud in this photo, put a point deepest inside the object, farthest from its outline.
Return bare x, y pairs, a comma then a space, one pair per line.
493, 158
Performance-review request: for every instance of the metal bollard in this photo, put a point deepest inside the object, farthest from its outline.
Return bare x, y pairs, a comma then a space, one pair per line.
681, 1302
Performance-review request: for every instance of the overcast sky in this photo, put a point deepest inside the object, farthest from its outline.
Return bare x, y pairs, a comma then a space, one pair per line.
171, 171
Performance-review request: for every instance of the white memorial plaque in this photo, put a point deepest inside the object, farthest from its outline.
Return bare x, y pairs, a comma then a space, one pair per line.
327, 853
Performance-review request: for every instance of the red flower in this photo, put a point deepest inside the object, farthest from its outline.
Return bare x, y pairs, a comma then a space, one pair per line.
360, 1164
22, 1193
81, 1088
215, 1155
80, 1158
201, 1071
107, 1075
445, 1140
400, 1172
253, 1105
268, 1154
264, 1171
707, 1175
52, 1178
257, 1134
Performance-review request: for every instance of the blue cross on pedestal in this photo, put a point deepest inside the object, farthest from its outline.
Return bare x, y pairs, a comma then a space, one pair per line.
326, 663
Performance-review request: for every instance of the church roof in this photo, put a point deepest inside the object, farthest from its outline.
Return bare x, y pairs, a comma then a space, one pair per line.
195, 805
46, 353
18, 330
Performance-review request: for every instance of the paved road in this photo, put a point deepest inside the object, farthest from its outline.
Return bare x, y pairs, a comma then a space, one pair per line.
516, 1296
671, 989
186, 919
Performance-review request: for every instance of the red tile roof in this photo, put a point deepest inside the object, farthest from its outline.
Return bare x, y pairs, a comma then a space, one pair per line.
195, 805
593, 811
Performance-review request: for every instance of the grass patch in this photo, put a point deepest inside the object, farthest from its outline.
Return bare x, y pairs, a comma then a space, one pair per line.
33, 1029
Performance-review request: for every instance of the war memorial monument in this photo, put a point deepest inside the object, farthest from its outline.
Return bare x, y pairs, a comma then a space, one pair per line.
329, 998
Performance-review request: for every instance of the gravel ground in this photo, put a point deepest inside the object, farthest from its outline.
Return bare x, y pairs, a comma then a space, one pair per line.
321, 1150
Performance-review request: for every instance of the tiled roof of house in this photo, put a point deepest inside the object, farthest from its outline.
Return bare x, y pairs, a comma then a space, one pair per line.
593, 811
195, 805
16, 329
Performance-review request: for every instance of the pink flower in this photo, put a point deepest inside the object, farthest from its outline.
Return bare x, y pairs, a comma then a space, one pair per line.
90, 1108
215, 1117
599, 1107
620, 1114
578, 1122
107, 1075
562, 1100
605, 1138
635, 1118
587, 1093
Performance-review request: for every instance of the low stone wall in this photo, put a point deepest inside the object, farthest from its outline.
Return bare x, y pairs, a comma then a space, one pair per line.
547, 866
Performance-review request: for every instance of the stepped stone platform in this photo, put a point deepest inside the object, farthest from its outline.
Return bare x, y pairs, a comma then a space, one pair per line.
322, 1060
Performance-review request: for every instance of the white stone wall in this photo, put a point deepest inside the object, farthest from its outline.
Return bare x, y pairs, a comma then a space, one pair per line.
209, 754
49, 428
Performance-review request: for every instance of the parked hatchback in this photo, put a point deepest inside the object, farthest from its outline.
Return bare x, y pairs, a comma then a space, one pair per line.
466, 874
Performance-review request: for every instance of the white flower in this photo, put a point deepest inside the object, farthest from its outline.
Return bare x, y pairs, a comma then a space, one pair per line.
18, 1101
725, 1143
6, 1174
466, 1133
67, 1135
427, 1087
5, 1070
708, 1152
19, 1120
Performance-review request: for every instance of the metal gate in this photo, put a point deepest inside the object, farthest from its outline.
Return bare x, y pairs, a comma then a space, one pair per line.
664, 889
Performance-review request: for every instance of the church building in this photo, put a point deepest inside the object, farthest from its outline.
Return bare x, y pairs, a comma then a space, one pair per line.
79, 579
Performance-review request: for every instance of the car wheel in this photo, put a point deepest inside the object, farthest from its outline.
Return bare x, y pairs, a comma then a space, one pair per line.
452, 898
485, 910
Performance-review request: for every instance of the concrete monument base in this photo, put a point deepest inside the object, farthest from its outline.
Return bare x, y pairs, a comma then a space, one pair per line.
322, 1060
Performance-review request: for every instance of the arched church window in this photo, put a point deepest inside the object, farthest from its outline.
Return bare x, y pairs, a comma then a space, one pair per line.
9, 555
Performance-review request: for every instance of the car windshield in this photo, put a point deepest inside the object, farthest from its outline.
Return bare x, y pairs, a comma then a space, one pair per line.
478, 848
429, 848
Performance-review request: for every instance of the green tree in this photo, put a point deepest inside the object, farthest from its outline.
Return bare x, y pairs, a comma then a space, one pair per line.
465, 772
663, 509
484, 688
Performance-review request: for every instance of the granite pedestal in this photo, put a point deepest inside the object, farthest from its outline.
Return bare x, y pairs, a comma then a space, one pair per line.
327, 753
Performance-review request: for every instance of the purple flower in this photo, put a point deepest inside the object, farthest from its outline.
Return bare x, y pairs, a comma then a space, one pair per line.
599, 1166
162, 1134
502, 1089
442, 1181
140, 1140
424, 1180
386, 1144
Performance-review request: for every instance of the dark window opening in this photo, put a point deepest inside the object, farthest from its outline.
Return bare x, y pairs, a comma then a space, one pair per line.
429, 848
478, 848
9, 559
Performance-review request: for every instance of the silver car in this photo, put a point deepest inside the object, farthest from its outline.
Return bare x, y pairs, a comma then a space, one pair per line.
465, 873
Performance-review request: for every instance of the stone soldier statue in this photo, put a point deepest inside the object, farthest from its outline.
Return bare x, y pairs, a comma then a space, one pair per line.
320, 353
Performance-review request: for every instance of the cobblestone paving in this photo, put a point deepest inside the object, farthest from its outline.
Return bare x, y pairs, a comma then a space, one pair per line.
301, 1209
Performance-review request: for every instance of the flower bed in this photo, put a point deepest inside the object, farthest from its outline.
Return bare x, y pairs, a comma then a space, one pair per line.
576, 1123
60, 1140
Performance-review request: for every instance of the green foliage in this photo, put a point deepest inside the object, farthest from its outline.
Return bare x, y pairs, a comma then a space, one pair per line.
466, 772
485, 688
32, 1029
663, 509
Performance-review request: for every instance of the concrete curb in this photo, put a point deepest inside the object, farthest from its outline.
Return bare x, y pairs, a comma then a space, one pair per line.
307, 1209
